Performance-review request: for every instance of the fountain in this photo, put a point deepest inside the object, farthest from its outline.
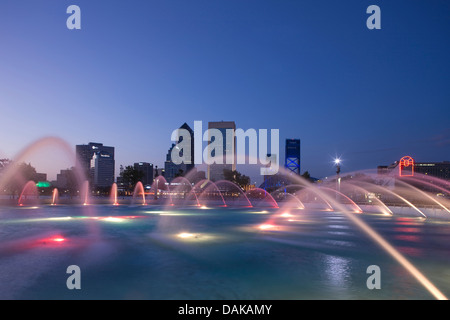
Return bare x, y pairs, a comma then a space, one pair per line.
139, 193
240, 233
209, 193
260, 197
84, 194
113, 195
29, 194
55, 196
180, 189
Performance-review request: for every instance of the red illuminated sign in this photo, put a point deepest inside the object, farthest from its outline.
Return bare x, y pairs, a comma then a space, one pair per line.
406, 162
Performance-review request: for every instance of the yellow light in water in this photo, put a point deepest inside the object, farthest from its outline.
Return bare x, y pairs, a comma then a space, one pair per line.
185, 235
112, 219
60, 218
286, 215
266, 227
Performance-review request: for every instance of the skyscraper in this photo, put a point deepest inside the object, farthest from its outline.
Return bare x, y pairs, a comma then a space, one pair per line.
102, 169
292, 162
147, 172
171, 169
215, 170
85, 154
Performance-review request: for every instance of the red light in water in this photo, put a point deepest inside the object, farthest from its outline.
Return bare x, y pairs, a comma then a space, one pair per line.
52, 239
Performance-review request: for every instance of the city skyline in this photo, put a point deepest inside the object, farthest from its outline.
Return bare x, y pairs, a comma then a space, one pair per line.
319, 75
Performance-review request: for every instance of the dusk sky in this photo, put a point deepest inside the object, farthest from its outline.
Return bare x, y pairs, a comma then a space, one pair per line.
137, 70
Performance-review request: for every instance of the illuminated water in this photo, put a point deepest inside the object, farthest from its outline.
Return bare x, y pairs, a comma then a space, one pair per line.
145, 252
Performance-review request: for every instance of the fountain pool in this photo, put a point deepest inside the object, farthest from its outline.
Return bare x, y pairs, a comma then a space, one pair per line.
155, 252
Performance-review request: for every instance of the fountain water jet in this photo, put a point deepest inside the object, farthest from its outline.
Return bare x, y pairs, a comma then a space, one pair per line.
424, 194
384, 208
55, 196
380, 241
85, 193
160, 184
262, 196
113, 195
357, 208
29, 189
398, 196
139, 192
232, 194
181, 188
210, 192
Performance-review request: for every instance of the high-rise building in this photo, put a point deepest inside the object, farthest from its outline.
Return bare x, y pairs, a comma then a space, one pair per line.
171, 169
63, 178
147, 172
434, 169
228, 130
292, 161
101, 171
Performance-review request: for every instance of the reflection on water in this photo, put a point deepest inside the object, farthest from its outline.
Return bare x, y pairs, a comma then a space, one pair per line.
150, 253
337, 271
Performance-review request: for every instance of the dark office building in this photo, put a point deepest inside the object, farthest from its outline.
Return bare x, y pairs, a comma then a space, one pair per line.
439, 170
147, 172
172, 170
101, 171
215, 170
434, 169
292, 161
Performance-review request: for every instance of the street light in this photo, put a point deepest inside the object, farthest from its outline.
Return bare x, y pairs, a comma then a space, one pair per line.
337, 162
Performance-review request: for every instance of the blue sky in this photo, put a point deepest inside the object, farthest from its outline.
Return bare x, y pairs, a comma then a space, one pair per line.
139, 69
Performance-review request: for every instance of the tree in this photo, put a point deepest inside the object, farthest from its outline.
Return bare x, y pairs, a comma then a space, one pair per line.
306, 175
236, 177
72, 183
23, 173
131, 176
180, 173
